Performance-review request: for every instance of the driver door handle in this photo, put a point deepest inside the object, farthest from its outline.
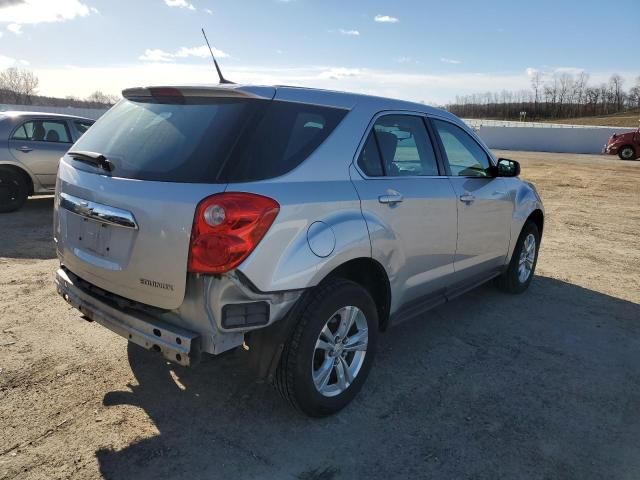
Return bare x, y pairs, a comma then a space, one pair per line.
25, 149
391, 199
467, 198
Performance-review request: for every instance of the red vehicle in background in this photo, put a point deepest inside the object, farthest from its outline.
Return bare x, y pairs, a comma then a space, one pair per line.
625, 145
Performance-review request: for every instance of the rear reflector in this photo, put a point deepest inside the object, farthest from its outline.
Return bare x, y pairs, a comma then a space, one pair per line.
245, 315
226, 229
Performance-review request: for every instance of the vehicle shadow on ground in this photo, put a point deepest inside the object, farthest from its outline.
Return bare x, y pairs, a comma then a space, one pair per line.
540, 385
28, 233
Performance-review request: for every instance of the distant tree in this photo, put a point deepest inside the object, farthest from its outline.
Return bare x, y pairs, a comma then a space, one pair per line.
102, 98
615, 83
562, 95
20, 85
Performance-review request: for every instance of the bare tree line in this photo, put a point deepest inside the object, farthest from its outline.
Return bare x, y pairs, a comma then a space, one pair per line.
563, 95
20, 87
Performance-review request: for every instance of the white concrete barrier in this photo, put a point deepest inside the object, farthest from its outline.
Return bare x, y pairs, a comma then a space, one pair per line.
560, 140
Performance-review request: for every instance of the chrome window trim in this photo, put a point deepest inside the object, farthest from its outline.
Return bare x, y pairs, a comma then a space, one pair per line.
98, 212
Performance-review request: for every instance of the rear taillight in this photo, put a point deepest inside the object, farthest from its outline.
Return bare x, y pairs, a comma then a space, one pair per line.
226, 229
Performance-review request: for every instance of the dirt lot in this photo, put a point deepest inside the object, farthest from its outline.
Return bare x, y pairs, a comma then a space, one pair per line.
542, 385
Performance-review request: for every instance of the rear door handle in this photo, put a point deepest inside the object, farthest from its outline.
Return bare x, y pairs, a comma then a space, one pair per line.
391, 198
467, 198
25, 149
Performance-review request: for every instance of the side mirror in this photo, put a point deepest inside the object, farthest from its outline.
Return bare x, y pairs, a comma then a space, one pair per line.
507, 168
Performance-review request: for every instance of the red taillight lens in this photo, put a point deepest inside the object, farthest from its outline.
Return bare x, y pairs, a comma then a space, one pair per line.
226, 229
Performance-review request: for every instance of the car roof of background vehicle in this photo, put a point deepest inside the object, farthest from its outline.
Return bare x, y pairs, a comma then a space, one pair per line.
20, 113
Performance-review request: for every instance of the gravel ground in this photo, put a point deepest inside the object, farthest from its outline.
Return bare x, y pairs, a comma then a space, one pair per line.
541, 385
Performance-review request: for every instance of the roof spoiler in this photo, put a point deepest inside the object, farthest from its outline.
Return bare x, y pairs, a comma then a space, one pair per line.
218, 91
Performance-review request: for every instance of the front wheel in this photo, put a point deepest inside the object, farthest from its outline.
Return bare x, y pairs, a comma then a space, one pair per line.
627, 153
519, 273
329, 355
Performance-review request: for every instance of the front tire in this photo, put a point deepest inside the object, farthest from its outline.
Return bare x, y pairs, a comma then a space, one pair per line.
627, 153
519, 273
328, 357
13, 190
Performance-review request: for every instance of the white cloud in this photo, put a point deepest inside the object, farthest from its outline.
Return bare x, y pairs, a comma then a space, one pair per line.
15, 28
208, 11
1, 34
350, 33
550, 72
25, 12
450, 61
180, 4
531, 71
339, 73
6, 62
157, 55
385, 19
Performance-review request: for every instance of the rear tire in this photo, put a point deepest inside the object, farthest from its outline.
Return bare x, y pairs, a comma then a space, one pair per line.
519, 273
325, 361
13, 190
627, 153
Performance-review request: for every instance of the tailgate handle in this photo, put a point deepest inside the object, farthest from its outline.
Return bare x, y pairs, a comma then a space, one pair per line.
98, 212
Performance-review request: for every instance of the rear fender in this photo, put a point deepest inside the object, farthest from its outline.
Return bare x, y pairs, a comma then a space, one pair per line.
319, 246
309, 238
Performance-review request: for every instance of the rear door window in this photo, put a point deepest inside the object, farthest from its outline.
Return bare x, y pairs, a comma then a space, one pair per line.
208, 140
43, 131
398, 146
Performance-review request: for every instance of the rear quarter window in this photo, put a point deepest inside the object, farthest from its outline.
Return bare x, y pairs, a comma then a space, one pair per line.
285, 135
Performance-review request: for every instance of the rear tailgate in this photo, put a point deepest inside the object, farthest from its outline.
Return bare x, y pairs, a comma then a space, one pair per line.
144, 259
128, 189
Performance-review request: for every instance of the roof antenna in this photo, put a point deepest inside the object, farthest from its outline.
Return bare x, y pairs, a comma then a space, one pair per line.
215, 63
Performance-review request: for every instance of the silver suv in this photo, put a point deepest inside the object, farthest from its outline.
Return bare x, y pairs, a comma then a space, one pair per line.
297, 223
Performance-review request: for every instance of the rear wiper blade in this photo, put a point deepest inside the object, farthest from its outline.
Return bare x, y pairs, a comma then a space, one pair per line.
92, 158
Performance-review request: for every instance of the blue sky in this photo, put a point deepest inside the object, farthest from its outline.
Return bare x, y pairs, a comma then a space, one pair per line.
419, 50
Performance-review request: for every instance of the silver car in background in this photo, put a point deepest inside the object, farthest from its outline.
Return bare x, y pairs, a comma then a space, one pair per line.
297, 223
31, 145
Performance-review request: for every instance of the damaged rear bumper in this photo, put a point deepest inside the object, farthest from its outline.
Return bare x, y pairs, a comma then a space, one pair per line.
176, 344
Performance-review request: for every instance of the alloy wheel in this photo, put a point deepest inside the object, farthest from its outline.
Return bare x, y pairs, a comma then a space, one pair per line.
340, 350
527, 258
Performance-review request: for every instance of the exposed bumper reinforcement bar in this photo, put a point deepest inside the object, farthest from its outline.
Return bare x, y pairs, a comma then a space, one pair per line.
176, 344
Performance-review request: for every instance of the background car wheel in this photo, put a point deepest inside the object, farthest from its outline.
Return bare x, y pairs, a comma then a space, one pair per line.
519, 273
13, 190
328, 357
627, 153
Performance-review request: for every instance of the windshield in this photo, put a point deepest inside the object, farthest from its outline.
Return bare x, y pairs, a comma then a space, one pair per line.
210, 140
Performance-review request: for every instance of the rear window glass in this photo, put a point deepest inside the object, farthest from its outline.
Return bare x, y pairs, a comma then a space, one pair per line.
209, 140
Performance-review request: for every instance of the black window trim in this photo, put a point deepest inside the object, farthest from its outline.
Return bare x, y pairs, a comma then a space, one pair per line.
42, 119
443, 153
442, 172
